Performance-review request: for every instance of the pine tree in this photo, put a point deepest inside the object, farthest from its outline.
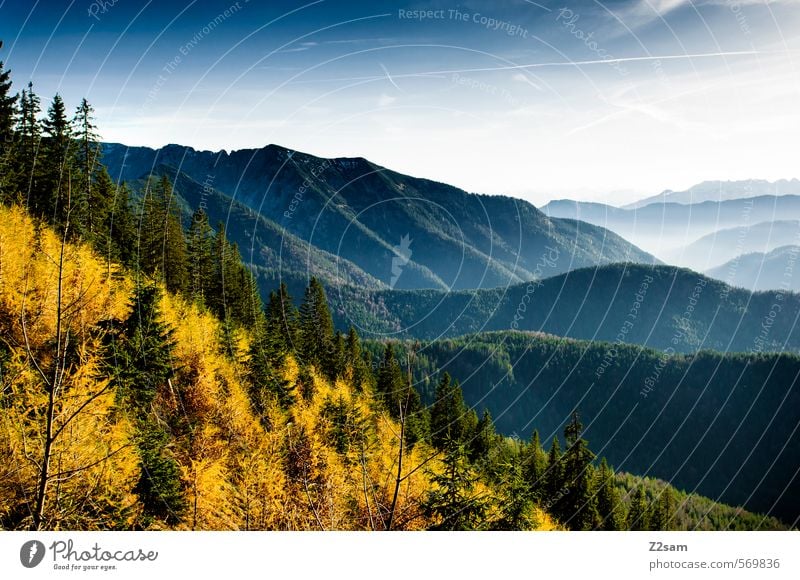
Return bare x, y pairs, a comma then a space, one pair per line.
663, 511
608, 506
578, 508
8, 108
8, 115
447, 414
263, 366
637, 519
162, 241
316, 330
534, 466
29, 136
390, 382
483, 439
200, 242
92, 206
554, 476
159, 486
454, 504
57, 194
120, 226
516, 504
283, 319
140, 360
360, 374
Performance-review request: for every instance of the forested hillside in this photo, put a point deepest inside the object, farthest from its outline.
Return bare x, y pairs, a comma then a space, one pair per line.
144, 385
721, 425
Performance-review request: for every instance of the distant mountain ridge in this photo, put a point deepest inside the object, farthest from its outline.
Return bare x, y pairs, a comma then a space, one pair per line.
759, 271
662, 307
665, 228
727, 244
361, 213
722, 191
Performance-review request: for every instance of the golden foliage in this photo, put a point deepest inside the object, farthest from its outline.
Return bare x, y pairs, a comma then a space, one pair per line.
328, 462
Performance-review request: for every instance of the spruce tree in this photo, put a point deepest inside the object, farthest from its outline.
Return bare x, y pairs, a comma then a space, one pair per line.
120, 226
8, 116
608, 505
264, 365
554, 476
390, 381
360, 374
578, 507
29, 136
58, 196
454, 504
316, 330
483, 439
200, 242
534, 466
140, 362
638, 519
447, 414
8, 108
663, 511
162, 241
282, 317
93, 206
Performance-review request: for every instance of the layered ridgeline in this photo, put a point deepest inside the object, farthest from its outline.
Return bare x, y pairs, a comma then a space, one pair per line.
661, 307
724, 426
723, 191
373, 220
126, 406
665, 229
762, 270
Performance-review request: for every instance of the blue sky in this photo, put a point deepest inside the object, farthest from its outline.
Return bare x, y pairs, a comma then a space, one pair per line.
536, 99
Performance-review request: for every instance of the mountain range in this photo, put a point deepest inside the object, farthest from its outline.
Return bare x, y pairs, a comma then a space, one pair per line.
661, 307
368, 225
666, 228
762, 271
724, 426
722, 191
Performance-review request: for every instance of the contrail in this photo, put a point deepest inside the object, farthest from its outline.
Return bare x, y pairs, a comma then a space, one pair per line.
570, 63
388, 76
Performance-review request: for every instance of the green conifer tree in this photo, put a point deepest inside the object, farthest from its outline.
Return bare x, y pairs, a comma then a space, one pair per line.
608, 505
638, 519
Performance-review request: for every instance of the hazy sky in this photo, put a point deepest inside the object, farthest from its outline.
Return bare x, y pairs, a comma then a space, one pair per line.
537, 99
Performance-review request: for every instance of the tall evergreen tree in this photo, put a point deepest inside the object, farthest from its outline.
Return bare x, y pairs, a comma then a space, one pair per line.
140, 360
120, 226
316, 329
8, 116
554, 480
360, 374
8, 108
162, 241
58, 196
454, 504
608, 505
662, 514
92, 206
448, 413
638, 519
578, 507
283, 319
534, 466
264, 364
200, 242
29, 136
